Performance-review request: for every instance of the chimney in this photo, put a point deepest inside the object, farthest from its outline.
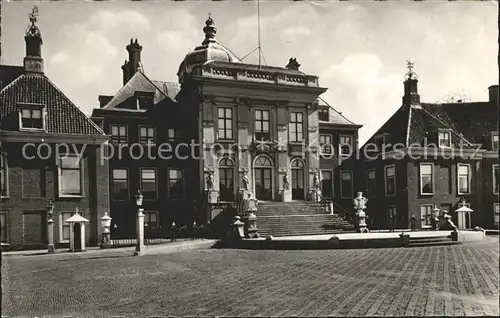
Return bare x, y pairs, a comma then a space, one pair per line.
493, 92
33, 62
104, 100
134, 60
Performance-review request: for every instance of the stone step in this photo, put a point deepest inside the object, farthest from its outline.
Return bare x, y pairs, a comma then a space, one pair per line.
302, 225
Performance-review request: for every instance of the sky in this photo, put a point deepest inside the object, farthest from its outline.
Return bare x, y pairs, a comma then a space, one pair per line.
358, 49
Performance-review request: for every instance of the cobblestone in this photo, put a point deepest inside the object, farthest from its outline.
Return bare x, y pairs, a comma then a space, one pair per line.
453, 280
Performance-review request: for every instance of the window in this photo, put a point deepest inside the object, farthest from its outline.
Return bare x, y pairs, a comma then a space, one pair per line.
371, 181
325, 142
327, 183
444, 139
118, 134
426, 178
426, 214
148, 183
31, 118
296, 127
174, 134
226, 185
4, 180
3, 223
323, 114
496, 211
463, 178
146, 135
120, 184
392, 211
262, 125
175, 184
64, 227
494, 141
225, 123
345, 145
496, 178
150, 221
70, 176
144, 101
346, 184
390, 180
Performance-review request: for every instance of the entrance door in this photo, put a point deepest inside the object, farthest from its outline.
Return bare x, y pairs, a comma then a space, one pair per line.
263, 178
77, 232
327, 184
297, 179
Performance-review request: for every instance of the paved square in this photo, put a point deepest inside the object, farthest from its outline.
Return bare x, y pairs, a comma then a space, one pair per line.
427, 281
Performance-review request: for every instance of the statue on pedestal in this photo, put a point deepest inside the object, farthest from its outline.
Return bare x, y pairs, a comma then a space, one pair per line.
286, 181
210, 181
246, 181
360, 205
315, 181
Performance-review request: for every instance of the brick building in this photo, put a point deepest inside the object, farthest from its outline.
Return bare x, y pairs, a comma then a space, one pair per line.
436, 155
267, 123
50, 151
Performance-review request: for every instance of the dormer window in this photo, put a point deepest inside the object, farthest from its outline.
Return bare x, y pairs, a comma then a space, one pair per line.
144, 100
31, 118
323, 114
444, 138
494, 140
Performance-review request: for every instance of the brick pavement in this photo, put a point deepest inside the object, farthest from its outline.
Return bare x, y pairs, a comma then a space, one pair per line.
425, 281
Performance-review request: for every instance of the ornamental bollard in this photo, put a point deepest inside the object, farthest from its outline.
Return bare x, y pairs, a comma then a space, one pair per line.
251, 224
359, 206
106, 233
238, 231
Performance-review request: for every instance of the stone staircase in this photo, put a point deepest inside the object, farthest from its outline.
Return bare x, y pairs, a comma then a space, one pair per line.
298, 218
431, 241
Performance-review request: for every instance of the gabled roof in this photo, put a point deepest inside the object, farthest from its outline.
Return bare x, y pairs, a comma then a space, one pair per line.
63, 116
469, 123
335, 117
141, 83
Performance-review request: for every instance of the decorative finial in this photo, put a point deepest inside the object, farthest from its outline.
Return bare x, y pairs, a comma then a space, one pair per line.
210, 30
410, 65
293, 64
32, 28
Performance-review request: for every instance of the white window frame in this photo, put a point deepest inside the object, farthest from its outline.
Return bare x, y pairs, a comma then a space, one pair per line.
433, 178
43, 118
59, 180
296, 124
113, 184
183, 183
386, 183
351, 145
495, 206
331, 171
4, 158
493, 135
177, 134
269, 122
495, 181
111, 133
62, 224
147, 127
444, 132
149, 212
469, 177
327, 111
231, 119
321, 145
352, 184
388, 210
156, 182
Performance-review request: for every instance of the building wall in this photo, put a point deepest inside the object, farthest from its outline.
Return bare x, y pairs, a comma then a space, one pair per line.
33, 183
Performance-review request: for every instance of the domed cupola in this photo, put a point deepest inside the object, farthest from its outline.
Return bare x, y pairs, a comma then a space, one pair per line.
209, 50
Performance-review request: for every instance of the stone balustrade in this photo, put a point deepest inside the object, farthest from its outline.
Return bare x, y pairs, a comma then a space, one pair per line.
262, 76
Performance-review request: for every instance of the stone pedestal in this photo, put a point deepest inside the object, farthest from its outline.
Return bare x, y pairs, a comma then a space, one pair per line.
362, 226
50, 236
106, 238
405, 239
251, 218
286, 195
140, 247
238, 229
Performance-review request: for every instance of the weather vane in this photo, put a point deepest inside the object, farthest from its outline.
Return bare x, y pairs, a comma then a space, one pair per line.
410, 64
33, 15
33, 29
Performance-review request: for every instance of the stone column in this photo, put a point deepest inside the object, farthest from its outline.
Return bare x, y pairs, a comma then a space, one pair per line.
283, 161
312, 148
139, 247
50, 235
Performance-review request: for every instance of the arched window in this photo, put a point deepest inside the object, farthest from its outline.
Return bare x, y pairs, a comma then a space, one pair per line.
263, 162
226, 180
297, 166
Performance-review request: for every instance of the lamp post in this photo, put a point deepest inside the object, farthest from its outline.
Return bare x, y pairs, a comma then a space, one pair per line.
139, 247
106, 233
50, 227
